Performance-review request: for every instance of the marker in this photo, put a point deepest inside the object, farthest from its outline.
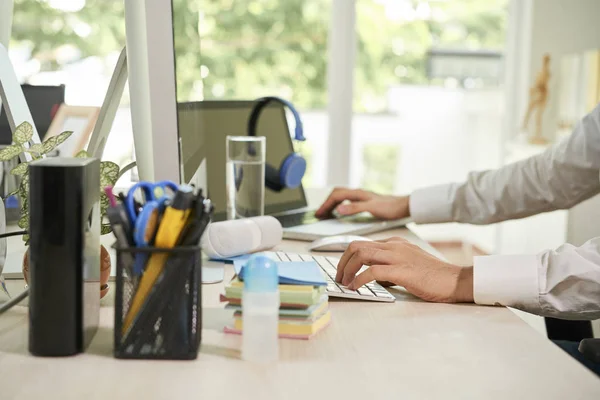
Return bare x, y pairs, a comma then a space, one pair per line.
169, 233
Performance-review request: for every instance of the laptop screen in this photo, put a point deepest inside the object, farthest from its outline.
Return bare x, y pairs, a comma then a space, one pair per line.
203, 129
204, 125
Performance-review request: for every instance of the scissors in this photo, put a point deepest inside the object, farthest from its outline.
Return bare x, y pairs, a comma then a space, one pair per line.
145, 216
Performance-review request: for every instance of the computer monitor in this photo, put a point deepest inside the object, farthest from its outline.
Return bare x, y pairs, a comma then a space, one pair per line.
43, 102
151, 67
204, 127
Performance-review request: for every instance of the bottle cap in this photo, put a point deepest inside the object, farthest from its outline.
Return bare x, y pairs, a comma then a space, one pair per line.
260, 274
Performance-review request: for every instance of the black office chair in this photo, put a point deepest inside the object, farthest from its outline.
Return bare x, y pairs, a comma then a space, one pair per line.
42, 101
578, 332
575, 331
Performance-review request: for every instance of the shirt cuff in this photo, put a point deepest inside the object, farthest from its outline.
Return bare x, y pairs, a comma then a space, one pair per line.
432, 204
508, 280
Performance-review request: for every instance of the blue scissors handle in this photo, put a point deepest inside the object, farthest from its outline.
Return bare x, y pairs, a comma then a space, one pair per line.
164, 194
152, 192
148, 192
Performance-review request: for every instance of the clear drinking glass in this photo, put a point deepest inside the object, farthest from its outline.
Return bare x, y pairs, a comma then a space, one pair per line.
245, 176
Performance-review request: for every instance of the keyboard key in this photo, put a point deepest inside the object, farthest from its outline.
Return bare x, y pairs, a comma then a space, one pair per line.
348, 291
282, 256
332, 287
306, 257
365, 292
333, 261
294, 257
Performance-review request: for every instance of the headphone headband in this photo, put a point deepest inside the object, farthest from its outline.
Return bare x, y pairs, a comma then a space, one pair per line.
261, 103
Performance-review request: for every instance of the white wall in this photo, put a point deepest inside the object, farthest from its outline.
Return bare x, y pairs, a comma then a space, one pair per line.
558, 27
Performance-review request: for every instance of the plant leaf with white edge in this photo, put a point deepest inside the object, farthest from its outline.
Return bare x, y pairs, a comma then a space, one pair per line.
24, 222
23, 133
63, 136
36, 148
20, 169
24, 185
104, 203
109, 172
10, 152
105, 229
26, 239
24, 203
82, 154
50, 144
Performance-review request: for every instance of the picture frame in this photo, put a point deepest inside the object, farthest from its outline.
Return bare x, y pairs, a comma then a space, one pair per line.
79, 119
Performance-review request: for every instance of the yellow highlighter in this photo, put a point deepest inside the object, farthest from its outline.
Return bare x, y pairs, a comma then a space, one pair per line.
174, 220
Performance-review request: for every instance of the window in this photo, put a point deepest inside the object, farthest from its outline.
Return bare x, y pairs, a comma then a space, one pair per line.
255, 48
426, 74
75, 43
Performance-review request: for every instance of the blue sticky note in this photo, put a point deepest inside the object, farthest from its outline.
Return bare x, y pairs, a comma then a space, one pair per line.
291, 272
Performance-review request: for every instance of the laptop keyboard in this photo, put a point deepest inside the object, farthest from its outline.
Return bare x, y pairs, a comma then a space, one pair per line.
302, 218
369, 292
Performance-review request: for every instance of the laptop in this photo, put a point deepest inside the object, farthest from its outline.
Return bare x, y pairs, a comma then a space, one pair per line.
217, 119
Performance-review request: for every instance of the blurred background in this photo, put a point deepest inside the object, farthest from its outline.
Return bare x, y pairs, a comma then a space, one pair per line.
433, 88
425, 73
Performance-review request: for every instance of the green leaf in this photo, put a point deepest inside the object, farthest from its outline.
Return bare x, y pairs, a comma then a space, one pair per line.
104, 203
82, 154
36, 148
105, 229
23, 133
24, 185
10, 152
20, 169
26, 239
63, 136
50, 144
24, 222
109, 172
24, 203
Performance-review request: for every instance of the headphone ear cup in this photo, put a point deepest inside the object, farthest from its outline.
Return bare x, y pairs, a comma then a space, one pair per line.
272, 180
292, 171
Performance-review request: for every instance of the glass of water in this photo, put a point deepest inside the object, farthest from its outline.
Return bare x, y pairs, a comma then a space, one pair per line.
245, 176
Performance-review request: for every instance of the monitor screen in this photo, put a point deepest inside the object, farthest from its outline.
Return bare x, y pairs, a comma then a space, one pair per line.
43, 101
203, 129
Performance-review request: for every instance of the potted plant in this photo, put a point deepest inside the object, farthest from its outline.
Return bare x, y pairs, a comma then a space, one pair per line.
109, 174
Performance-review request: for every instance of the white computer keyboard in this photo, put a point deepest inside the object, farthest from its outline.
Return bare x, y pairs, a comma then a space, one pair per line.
369, 292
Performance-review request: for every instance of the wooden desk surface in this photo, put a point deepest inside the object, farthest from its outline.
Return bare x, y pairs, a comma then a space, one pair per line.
408, 349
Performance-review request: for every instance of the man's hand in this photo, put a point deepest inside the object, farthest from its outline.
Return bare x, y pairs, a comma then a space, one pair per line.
384, 207
397, 262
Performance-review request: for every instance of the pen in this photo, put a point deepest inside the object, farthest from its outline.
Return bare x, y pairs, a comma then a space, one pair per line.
174, 220
121, 227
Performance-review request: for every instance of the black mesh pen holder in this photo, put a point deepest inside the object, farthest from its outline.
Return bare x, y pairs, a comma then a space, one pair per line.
165, 322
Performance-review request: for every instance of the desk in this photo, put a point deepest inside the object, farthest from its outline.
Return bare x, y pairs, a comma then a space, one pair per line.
408, 349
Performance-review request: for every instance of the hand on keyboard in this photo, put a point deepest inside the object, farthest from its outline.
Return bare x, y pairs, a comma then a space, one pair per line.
404, 264
370, 292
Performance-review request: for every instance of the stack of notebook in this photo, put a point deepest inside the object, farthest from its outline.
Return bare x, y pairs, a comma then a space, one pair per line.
304, 309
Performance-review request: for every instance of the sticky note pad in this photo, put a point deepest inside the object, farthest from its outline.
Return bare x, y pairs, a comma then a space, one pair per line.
291, 272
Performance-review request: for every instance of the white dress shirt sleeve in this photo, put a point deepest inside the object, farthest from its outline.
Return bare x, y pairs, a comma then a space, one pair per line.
564, 282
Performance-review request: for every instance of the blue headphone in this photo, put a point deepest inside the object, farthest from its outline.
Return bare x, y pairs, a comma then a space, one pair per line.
292, 168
